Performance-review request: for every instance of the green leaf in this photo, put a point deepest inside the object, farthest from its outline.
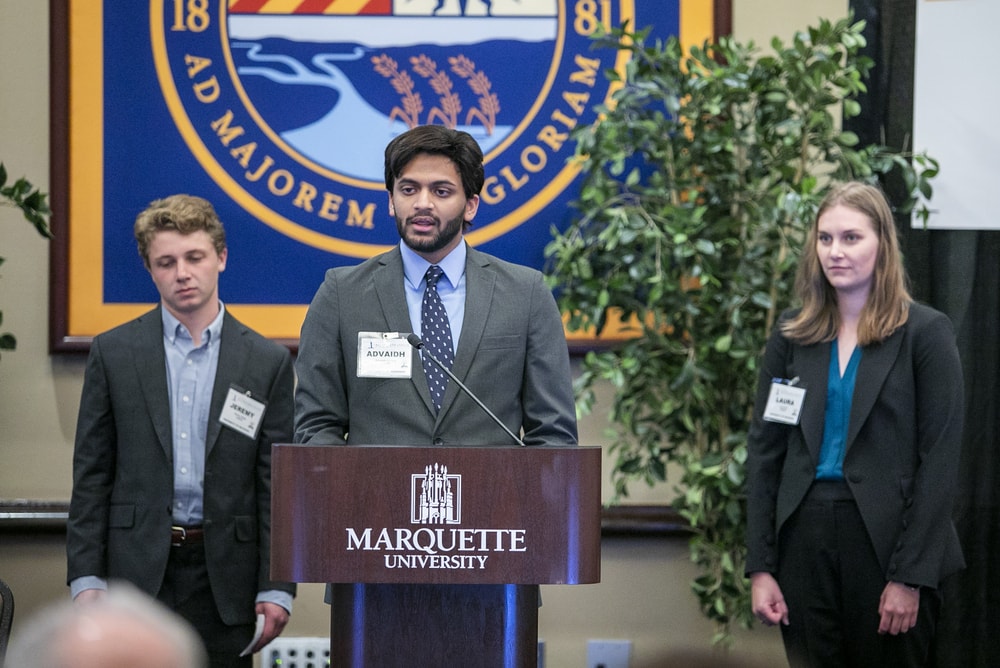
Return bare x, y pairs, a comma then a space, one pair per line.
697, 191
724, 343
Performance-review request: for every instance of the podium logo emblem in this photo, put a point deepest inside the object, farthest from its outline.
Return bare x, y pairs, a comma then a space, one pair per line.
436, 496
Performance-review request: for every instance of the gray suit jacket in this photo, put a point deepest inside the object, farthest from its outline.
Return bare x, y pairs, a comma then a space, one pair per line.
119, 520
512, 353
902, 451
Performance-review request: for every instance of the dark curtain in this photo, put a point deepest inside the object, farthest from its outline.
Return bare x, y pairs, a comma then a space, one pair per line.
957, 272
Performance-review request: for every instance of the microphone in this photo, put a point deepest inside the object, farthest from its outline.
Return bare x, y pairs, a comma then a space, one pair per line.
415, 341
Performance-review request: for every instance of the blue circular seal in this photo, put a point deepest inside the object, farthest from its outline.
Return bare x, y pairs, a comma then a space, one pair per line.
289, 110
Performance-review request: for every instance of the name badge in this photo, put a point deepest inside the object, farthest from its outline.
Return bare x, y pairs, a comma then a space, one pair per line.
384, 355
784, 402
242, 412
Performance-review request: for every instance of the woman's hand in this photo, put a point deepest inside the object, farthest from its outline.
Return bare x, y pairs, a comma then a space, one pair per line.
898, 606
766, 599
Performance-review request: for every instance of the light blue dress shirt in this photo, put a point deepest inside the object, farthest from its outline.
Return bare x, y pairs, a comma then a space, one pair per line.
451, 287
191, 378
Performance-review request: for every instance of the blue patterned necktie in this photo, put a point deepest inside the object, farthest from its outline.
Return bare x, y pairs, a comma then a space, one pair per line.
436, 333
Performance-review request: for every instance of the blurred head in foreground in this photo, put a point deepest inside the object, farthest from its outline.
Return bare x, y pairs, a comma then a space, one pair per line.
123, 629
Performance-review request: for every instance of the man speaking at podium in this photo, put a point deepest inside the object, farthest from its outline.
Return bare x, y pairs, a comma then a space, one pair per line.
493, 369
493, 324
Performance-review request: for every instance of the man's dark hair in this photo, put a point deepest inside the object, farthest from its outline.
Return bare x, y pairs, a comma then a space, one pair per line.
457, 146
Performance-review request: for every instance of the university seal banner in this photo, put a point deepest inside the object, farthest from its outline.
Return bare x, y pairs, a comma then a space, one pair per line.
278, 111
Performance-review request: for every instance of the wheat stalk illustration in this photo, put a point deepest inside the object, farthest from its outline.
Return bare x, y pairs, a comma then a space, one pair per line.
489, 105
403, 84
450, 104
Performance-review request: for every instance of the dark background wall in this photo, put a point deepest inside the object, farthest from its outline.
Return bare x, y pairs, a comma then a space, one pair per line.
957, 272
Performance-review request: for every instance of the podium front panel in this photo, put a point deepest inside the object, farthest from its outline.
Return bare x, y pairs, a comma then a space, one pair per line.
436, 515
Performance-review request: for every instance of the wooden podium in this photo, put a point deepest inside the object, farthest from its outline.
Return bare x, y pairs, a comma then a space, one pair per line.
435, 553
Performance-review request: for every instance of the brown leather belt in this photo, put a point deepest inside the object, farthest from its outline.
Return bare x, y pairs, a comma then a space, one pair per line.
180, 536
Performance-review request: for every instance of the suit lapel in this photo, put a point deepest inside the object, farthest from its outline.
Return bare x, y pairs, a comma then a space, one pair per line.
391, 293
151, 368
479, 286
234, 352
812, 364
392, 300
876, 362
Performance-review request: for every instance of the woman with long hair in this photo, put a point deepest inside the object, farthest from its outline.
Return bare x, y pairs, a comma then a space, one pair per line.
853, 451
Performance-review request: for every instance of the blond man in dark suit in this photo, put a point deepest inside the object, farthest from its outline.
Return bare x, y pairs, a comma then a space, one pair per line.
171, 467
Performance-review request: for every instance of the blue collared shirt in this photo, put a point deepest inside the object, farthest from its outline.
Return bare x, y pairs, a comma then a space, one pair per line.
190, 379
839, 399
451, 287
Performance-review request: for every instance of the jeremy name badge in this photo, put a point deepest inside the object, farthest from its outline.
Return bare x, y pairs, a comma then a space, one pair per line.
242, 412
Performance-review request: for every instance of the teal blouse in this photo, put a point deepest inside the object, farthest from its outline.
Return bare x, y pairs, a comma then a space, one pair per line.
839, 396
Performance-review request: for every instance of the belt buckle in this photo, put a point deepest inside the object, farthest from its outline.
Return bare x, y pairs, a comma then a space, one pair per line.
177, 542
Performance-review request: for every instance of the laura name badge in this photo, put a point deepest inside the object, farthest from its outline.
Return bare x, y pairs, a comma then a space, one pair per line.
784, 403
384, 355
242, 412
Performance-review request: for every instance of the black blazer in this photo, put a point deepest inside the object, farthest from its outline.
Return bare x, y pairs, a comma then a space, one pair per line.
902, 450
120, 518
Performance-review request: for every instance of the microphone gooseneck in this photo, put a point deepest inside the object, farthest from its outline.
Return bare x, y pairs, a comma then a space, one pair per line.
415, 341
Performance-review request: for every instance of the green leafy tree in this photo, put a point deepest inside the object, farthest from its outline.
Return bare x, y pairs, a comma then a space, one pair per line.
700, 181
32, 202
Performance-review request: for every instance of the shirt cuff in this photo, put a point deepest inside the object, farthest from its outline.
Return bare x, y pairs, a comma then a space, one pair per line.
86, 582
282, 598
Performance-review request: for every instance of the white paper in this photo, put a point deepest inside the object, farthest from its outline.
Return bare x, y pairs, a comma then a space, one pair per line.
257, 633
